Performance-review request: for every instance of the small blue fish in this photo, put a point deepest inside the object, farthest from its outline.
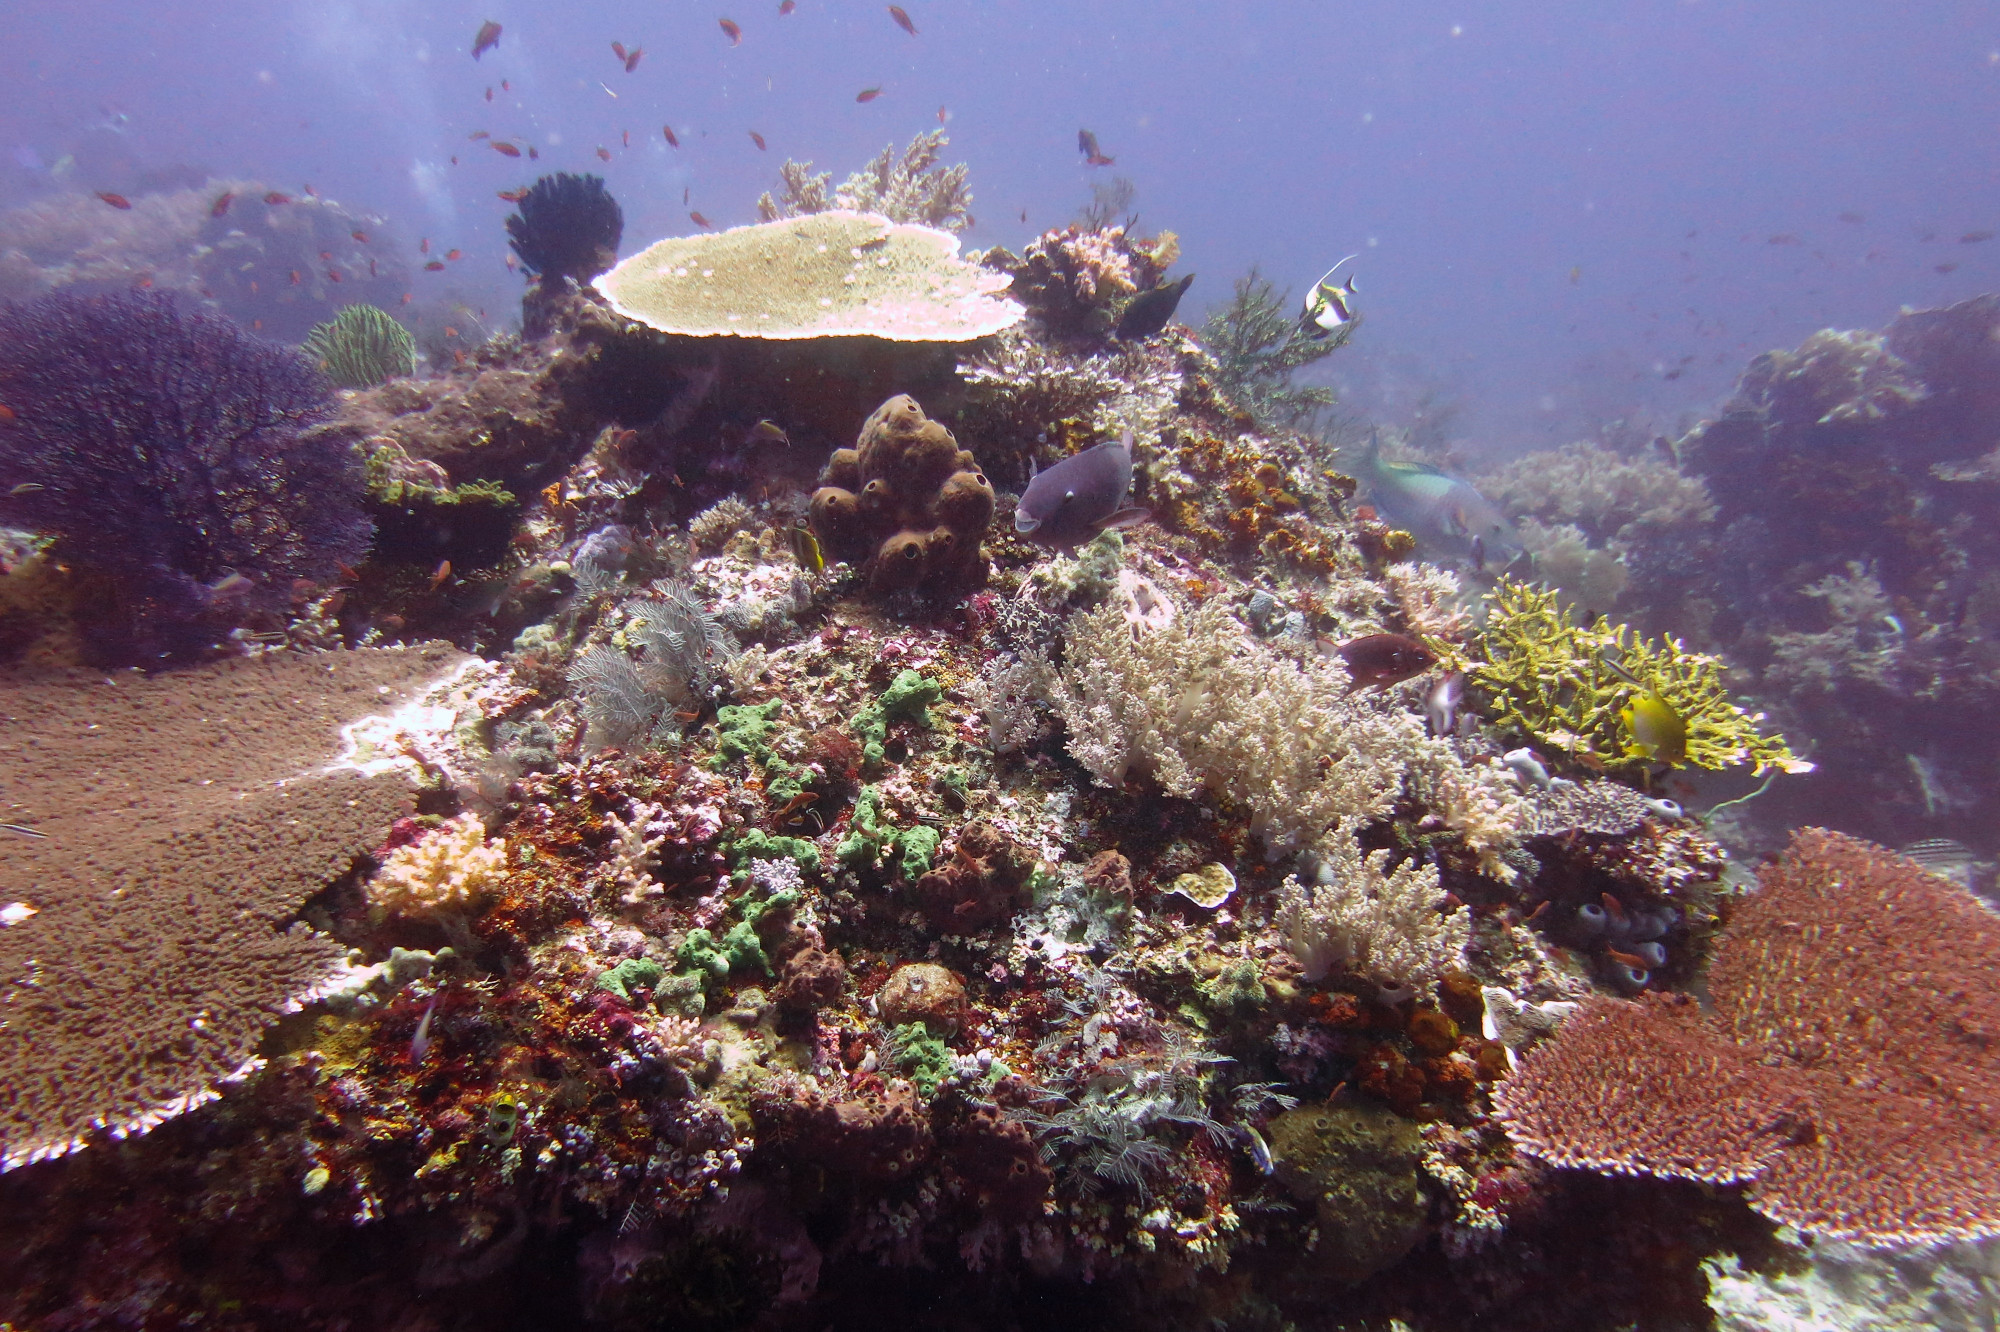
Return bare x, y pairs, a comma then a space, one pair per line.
1080, 496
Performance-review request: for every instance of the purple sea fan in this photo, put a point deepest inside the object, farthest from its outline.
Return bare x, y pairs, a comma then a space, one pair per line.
171, 457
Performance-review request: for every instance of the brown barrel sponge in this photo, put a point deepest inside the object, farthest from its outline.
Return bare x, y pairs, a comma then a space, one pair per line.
906, 504
965, 504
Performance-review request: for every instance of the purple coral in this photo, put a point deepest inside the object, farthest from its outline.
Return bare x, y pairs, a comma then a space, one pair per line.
171, 457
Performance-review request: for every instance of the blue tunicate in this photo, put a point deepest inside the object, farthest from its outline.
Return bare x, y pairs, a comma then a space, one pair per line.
1632, 976
1649, 924
1654, 955
1592, 917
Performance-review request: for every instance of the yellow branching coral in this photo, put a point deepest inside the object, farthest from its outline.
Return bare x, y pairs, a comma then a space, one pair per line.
1572, 687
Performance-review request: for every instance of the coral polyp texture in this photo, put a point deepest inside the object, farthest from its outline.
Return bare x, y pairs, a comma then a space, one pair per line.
905, 504
171, 457
908, 186
1846, 1076
184, 821
833, 274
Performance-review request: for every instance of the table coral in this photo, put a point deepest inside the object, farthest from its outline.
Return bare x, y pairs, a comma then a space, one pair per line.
833, 274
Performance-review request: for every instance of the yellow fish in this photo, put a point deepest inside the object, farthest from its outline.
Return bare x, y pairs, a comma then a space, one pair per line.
805, 549
1659, 733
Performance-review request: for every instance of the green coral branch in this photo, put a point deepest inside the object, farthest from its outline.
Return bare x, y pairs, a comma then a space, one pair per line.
1258, 345
1561, 683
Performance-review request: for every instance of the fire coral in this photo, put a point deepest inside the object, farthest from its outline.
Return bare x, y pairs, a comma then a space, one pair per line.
169, 454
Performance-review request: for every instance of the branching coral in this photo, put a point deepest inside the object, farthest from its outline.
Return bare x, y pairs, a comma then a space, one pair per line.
1390, 926
454, 869
168, 452
1199, 704
361, 347
1554, 680
1605, 493
910, 187
1258, 346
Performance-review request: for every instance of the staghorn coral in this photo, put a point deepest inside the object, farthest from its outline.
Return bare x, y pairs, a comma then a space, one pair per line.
906, 187
1258, 345
454, 869
905, 504
1199, 704
185, 819
1846, 1076
361, 347
168, 454
1357, 917
1547, 676
831, 274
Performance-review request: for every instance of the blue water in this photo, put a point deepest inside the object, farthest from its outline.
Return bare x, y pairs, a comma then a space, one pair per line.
1565, 213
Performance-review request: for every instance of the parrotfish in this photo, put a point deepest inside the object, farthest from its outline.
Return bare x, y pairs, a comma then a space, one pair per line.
1379, 660
1434, 504
1080, 496
486, 39
1149, 312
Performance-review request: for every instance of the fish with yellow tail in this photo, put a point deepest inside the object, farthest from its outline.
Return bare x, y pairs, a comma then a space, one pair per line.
1329, 305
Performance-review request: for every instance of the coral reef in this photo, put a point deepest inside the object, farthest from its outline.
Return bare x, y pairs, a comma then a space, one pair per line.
1075, 280
905, 504
833, 274
361, 347
171, 457
1853, 1129
234, 247
905, 187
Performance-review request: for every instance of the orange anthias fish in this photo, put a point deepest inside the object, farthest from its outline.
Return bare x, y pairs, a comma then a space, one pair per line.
434, 266
603, 152
477, 135
533, 155
632, 61
757, 139
486, 39
618, 49
296, 279
787, 6
1086, 143
506, 86
274, 198
513, 196
424, 245
902, 17
442, 572
943, 115
115, 200
698, 219
221, 204
624, 138
867, 94
451, 254
506, 149
333, 275
735, 33
361, 236
489, 94
672, 140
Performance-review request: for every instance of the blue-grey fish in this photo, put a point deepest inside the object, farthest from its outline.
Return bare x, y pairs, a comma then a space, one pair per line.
1434, 504
1329, 305
1080, 496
